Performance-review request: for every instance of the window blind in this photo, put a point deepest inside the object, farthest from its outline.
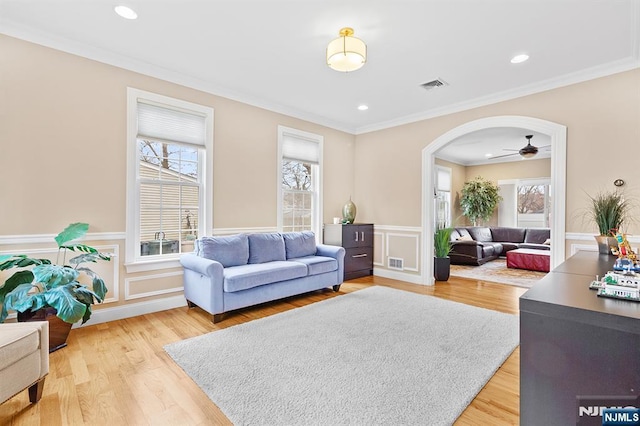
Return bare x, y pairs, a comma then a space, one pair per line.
156, 122
443, 180
302, 150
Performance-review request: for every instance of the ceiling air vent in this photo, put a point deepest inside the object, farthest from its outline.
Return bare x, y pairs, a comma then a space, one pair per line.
433, 84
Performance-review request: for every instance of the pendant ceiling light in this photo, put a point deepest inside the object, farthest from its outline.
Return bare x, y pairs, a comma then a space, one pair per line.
346, 53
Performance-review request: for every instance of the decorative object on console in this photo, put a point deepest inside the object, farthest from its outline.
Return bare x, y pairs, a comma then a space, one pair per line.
627, 260
53, 292
618, 286
442, 248
349, 212
346, 53
480, 198
609, 210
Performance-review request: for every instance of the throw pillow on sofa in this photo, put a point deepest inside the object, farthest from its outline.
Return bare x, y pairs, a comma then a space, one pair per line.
299, 244
266, 247
232, 250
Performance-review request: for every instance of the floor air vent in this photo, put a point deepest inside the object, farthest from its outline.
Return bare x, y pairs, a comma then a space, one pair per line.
396, 263
433, 84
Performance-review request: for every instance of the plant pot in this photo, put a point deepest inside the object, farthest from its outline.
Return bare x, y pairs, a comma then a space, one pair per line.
58, 329
441, 268
605, 243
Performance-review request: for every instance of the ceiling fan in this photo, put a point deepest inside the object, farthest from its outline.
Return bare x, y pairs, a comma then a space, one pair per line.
529, 151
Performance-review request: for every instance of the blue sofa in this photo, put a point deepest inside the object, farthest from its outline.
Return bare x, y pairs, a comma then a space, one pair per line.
232, 272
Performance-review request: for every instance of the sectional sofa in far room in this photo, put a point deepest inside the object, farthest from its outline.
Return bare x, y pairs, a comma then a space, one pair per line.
476, 245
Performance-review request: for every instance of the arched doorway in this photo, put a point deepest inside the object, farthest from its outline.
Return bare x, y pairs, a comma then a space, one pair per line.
558, 135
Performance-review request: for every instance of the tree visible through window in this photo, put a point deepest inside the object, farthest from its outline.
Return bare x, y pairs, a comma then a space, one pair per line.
300, 181
531, 199
297, 193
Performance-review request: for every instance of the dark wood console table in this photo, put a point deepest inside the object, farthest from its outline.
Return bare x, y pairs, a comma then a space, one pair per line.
574, 343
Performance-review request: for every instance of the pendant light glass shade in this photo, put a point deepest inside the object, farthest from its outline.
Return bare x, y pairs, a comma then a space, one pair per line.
346, 53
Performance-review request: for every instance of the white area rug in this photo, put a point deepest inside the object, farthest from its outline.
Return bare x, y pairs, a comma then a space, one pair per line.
377, 356
496, 271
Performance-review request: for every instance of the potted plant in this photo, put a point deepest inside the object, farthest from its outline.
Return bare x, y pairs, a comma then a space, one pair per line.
609, 210
442, 248
479, 199
41, 290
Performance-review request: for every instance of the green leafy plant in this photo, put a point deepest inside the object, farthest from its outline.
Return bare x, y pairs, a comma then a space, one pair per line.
479, 199
609, 210
40, 284
442, 242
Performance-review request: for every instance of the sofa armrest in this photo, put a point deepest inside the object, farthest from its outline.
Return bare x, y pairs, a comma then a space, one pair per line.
201, 265
337, 253
203, 282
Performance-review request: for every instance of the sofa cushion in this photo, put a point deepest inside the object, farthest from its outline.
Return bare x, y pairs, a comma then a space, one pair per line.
248, 276
537, 235
480, 233
317, 265
266, 247
231, 250
16, 343
299, 244
508, 235
462, 232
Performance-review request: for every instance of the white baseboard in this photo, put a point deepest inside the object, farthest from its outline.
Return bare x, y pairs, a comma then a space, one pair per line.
395, 275
134, 309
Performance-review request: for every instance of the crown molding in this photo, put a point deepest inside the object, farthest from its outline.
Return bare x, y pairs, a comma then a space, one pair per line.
121, 61
110, 58
632, 62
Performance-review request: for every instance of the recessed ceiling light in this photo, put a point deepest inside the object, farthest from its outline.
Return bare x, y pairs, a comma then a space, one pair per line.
363, 107
519, 58
126, 12
488, 155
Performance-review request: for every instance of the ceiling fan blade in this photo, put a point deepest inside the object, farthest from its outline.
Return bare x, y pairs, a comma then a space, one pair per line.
502, 156
507, 149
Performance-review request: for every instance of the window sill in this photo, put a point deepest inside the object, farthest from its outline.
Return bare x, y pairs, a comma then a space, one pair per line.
152, 265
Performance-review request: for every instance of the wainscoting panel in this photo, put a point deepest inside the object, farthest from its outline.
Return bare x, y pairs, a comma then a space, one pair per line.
152, 285
401, 245
378, 248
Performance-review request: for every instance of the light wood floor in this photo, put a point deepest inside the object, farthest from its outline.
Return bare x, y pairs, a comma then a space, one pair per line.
117, 373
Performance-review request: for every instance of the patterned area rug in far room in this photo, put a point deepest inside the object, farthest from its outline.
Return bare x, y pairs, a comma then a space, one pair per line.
496, 271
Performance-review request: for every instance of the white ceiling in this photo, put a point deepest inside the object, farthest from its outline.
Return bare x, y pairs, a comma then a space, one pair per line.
480, 147
272, 53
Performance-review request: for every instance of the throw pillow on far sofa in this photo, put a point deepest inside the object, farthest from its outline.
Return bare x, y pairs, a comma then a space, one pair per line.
300, 244
232, 250
464, 238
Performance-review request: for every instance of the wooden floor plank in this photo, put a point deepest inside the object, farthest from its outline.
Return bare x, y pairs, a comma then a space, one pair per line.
118, 373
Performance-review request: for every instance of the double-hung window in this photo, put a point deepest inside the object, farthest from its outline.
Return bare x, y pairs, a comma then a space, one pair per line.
442, 197
169, 177
299, 181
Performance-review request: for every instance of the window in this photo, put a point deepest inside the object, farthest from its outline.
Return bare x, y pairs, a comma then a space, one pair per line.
299, 181
169, 173
442, 195
534, 203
